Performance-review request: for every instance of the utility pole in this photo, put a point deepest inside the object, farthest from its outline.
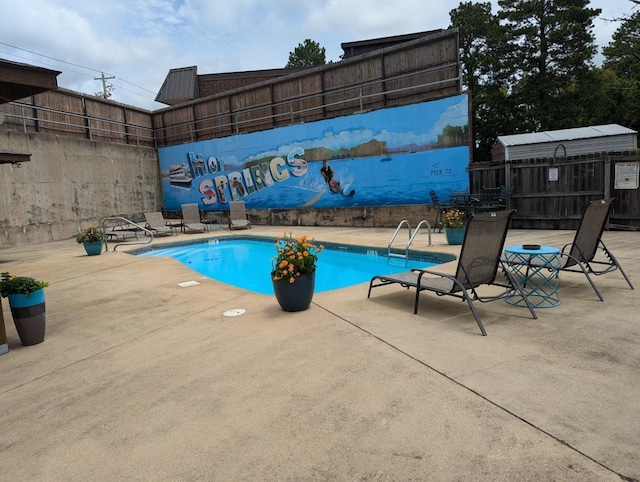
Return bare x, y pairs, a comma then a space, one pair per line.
105, 91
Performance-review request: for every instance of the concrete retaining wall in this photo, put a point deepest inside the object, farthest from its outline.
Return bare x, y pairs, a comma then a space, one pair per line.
369, 217
71, 183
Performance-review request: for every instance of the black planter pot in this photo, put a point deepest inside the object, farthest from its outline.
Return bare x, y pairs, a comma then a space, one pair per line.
295, 296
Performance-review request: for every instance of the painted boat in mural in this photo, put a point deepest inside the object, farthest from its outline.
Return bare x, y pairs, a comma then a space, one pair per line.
180, 175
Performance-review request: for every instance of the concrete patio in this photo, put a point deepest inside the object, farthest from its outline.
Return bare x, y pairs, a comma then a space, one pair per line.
141, 379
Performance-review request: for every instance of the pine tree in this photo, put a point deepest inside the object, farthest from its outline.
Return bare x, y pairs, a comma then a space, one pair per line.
552, 46
307, 54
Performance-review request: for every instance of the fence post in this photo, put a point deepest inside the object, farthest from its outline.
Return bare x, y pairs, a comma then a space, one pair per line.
607, 177
507, 181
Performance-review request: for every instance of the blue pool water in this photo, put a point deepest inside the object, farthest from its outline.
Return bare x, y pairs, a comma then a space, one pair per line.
247, 262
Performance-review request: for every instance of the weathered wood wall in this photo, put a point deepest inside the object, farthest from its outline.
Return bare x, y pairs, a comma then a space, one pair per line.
415, 71
547, 204
71, 114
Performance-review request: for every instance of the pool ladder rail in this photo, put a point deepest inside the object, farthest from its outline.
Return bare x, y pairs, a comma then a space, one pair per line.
412, 237
127, 230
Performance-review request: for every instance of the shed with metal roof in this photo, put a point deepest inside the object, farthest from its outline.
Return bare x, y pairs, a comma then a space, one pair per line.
564, 143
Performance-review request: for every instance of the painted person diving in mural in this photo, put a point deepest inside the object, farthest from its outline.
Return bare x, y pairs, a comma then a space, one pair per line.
334, 185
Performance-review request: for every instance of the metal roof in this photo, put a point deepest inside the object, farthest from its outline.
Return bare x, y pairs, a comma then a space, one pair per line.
18, 80
180, 85
564, 135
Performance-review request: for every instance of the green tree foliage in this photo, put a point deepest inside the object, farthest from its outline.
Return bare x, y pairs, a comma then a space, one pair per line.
482, 48
307, 54
552, 48
529, 67
622, 65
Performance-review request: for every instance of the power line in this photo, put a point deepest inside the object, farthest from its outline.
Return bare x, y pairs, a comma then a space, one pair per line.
43, 63
51, 58
102, 73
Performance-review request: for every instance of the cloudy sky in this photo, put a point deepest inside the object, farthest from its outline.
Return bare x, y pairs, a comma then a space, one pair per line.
139, 41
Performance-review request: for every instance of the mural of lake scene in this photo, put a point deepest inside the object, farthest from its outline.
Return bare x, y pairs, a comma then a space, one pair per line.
386, 157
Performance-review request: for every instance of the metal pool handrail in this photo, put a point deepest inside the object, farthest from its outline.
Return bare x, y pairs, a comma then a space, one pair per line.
129, 222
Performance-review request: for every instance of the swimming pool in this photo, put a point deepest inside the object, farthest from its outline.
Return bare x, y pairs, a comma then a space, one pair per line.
246, 262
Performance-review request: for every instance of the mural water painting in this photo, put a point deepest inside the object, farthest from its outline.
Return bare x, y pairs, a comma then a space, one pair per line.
389, 156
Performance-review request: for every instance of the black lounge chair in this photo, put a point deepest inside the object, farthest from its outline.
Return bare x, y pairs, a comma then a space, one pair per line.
477, 265
579, 256
440, 209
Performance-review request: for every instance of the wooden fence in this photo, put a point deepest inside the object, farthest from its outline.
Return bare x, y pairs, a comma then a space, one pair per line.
423, 69
71, 114
415, 71
552, 193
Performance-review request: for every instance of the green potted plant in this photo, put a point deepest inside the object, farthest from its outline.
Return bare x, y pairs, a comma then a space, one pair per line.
454, 225
26, 300
293, 273
91, 238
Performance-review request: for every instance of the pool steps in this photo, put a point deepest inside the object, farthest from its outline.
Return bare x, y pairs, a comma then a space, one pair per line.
406, 223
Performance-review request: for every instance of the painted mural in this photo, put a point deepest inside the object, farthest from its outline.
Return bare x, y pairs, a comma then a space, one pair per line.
385, 157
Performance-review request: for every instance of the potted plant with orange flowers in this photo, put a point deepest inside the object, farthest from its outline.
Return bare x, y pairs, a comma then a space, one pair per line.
454, 226
294, 270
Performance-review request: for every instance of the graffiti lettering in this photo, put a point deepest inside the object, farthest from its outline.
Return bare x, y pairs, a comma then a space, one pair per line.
239, 184
236, 186
212, 164
261, 176
248, 181
299, 165
208, 193
221, 184
277, 173
440, 172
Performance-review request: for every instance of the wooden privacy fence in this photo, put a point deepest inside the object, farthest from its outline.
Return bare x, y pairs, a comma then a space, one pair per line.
71, 114
552, 193
423, 69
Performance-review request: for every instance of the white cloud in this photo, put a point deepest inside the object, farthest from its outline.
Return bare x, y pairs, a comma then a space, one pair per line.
139, 41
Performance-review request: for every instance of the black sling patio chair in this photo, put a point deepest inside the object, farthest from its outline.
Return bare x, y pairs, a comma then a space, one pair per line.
579, 256
478, 265
440, 209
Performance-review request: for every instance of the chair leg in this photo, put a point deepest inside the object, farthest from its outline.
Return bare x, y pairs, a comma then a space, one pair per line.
439, 220
613, 260
415, 306
593, 285
516, 285
475, 313
624, 275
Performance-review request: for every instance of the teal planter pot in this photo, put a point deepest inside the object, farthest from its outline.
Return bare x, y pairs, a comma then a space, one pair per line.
93, 248
29, 316
455, 235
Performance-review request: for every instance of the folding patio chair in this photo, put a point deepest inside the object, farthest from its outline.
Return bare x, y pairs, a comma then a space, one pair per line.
191, 218
156, 223
238, 216
477, 265
440, 209
579, 256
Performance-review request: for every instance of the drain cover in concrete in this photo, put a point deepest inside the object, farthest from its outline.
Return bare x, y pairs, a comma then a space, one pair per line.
188, 283
234, 312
